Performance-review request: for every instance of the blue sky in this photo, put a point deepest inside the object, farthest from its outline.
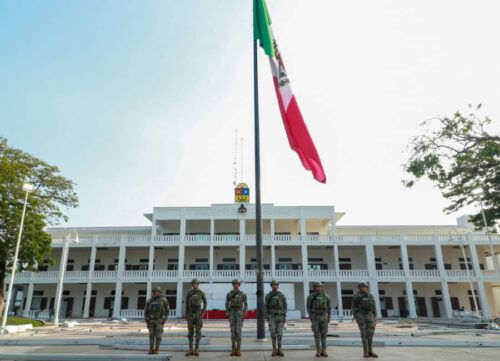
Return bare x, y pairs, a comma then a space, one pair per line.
137, 101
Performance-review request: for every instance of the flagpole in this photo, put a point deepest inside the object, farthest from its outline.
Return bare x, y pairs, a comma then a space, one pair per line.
261, 332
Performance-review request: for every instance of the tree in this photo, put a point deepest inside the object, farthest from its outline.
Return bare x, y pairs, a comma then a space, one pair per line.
51, 193
459, 156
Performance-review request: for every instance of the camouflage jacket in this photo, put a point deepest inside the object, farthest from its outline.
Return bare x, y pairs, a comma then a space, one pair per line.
275, 303
201, 298
362, 304
236, 301
156, 309
319, 303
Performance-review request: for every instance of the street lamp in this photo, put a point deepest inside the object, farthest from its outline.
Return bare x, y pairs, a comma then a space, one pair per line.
478, 192
62, 270
27, 188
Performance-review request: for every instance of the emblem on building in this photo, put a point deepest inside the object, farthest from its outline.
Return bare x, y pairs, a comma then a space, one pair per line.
242, 193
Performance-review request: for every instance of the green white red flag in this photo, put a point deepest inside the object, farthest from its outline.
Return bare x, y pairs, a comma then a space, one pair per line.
296, 130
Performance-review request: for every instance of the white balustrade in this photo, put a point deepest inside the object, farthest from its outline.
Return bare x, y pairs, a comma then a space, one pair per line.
197, 274
226, 238
226, 274
459, 273
344, 315
160, 274
40, 314
489, 273
73, 275
289, 273
424, 273
132, 313
353, 273
142, 274
327, 273
105, 274
390, 273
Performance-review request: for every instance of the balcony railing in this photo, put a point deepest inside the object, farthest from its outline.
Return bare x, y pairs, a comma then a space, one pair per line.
353, 273
226, 274
196, 273
345, 314
328, 273
424, 273
458, 273
105, 275
390, 273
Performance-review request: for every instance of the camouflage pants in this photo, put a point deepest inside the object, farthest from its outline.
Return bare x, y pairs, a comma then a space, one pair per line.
319, 326
155, 332
276, 323
195, 323
236, 323
366, 324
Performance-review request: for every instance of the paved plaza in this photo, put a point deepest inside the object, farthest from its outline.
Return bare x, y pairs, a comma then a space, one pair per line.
394, 341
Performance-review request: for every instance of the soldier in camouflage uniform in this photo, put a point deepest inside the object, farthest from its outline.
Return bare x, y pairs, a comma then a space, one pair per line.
194, 315
155, 315
236, 308
364, 312
275, 312
319, 309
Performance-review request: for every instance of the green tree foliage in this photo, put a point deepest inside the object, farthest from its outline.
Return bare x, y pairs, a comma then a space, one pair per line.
459, 156
52, 193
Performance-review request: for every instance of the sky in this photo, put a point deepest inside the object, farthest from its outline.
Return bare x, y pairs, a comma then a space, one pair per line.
138, 101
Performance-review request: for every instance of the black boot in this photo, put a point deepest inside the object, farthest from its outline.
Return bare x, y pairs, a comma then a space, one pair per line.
190, 351
370, 350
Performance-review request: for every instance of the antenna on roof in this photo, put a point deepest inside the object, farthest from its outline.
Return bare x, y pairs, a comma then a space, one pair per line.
241, 160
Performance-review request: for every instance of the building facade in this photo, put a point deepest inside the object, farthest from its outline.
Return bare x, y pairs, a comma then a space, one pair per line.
416, 271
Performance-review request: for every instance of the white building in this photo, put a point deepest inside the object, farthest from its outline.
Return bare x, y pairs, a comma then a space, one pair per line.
417, 271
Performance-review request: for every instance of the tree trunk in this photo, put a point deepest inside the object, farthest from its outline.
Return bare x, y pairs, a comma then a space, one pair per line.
2, 284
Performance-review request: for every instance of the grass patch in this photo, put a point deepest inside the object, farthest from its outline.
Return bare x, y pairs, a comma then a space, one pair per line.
14, 321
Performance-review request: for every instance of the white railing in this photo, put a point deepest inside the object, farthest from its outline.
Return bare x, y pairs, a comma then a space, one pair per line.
132, 313
327, 273
197, 238
353, 273
105, 274
289, 273
424, 273
314, 238
143, 274
459, 273
226, 273
162, 240
345, 314
36, 314
164, 274
73, 275
390, 273
226, 238
196, 273
489, 273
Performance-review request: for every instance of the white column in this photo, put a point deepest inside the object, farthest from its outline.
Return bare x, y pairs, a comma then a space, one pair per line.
273, 250
340, 306
303, 248
29, 298
306, 294
483, 298
372, 272
444, 284
211, 256
182, 235
93, 254
88, 296
119, 284
411, 299
242, 259
151, 263
409, 286
446, 299
180, 300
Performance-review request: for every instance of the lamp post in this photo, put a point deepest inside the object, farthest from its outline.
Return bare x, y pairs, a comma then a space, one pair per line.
27, 189
62, 270
478, 192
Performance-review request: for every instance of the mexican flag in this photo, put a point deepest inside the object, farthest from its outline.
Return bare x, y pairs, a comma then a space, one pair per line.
296, 130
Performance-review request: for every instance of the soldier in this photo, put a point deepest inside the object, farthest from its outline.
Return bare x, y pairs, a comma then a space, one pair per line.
236, 308
363, 311
194, 315
155, 314
319, 309
275, 312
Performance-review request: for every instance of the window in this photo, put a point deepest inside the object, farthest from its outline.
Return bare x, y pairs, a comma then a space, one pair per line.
410, 263
144, 260
227, 260
65, 293
199, 266
70, 261
171, 292
43, 268
201, 260
173, 260
37, 293
378, 263
438, 292
108, 301
70, 267
414, 292
381, 292
462, 264
99, 267
172, 267
345, 263
286, 259
111, 267
142, 292
85, 267
93, 293
347, 292
312, 259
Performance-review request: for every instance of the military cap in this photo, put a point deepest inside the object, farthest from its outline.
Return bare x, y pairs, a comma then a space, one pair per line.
362, 284
195, 280
236, 282
157, 288
317, 284
274, 282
